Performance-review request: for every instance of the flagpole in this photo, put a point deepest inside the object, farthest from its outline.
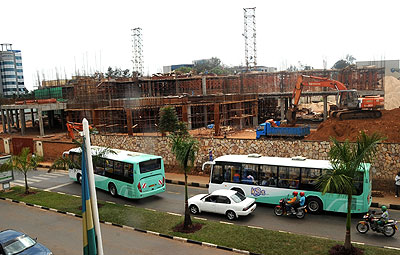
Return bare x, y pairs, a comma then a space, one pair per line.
93, 197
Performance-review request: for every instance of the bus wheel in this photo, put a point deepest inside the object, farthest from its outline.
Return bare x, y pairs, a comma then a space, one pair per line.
239, 190
112, 189
79, 178
314, 205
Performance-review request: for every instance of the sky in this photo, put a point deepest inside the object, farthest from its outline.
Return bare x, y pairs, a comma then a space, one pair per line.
63, 37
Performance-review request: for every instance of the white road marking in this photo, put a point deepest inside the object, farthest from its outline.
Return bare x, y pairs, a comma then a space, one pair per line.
198, 218
58, 186
255, 227
55, 174
32, 179
42, 178
224, 222
393, 248
21, 182
176, 214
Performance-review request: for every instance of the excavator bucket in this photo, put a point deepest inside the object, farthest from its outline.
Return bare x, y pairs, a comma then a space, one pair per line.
291, 116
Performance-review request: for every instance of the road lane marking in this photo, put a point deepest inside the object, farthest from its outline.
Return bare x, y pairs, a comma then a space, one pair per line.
32, 179
393, 248
357, 243
149, 209
58, 186
173, 192
56, 174
21, 182
42, 178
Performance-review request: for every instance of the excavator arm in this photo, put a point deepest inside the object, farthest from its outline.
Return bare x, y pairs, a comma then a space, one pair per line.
71, 126
309, 81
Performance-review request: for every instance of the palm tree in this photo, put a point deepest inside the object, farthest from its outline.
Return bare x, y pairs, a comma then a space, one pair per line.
185, 149
346, 160
24, 162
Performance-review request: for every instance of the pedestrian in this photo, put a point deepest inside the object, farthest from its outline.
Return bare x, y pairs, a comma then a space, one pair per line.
210, 155
34, 160
397, 183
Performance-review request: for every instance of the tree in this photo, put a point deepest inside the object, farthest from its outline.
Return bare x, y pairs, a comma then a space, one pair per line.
207, 65
185, 149
346, 160
183, 69
343, 63
24, 162
168, 119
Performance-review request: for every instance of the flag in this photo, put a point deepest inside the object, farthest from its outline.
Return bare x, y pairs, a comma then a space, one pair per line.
89, 235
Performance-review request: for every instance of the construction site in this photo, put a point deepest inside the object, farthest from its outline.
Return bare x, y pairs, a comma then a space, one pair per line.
330, 102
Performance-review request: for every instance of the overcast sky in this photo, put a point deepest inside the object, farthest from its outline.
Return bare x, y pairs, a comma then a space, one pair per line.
91, 35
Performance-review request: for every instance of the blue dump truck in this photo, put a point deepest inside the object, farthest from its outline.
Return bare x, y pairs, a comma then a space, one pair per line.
267, 130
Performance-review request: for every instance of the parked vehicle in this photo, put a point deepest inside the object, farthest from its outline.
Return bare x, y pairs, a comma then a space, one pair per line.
14, 242
370, 221
274, 130
280, 209
229, 202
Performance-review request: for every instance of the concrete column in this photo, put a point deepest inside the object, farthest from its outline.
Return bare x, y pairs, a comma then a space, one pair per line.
32, 117
282, 104
17, 118
203, 86
325, 107
12, 117
23, 124
189, 114
129, 121
255, 113
41, 127
8, 121
3, 120
205, 115
51, 118
62, 120
150, 89
216, 120
241, 120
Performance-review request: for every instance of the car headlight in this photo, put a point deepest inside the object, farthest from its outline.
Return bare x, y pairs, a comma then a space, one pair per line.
50, 253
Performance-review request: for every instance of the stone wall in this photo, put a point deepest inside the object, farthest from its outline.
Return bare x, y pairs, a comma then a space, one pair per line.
384, 169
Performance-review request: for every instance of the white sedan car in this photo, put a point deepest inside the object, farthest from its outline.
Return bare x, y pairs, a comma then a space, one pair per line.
229, 202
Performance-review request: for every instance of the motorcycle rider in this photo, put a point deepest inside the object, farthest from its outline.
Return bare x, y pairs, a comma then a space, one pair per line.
384, 216
290, 203
302, 199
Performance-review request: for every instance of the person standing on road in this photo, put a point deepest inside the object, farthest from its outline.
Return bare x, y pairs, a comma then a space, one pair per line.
397, 183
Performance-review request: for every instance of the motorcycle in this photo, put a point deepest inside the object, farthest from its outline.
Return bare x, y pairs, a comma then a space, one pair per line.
369, 221
280, 209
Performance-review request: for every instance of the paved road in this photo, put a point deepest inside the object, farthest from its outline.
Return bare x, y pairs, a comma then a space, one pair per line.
327, 225
62, 234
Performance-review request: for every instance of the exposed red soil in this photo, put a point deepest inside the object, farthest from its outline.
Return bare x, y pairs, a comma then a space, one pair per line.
193, 228
388, 126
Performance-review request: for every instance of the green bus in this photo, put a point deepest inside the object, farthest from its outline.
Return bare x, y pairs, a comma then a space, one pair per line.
268, 179
124, 173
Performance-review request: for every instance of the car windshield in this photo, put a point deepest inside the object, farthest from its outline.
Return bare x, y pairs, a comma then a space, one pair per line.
19, 244
238, 197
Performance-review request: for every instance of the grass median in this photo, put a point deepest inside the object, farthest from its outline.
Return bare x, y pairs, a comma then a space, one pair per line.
240, 237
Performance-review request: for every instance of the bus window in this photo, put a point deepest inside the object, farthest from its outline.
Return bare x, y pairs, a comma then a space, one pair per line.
99, 166
249, 174
118, 170
109, 168
217, 176
231, 173
358, 183
289, 177
268, 175
128, 173
309, 177
150, 165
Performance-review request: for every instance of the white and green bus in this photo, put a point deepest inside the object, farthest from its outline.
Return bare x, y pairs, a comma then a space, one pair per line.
268, 179
125, 173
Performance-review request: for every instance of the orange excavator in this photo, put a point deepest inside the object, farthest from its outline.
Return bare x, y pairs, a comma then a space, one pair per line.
349, 105
75, 126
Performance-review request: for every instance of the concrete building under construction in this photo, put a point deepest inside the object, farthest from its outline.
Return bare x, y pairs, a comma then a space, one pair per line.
132, 105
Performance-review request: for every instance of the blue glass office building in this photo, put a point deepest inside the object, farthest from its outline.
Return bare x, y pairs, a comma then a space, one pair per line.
11, 72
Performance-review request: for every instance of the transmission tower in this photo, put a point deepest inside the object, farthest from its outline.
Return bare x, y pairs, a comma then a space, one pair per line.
249, 34
137, 51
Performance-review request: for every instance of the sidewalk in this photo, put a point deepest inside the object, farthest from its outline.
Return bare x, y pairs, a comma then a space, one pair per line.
202, 181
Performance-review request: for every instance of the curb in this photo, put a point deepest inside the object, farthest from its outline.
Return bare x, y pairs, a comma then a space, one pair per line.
391, 206
185, 240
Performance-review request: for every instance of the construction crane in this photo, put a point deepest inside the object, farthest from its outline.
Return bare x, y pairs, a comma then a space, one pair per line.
349, 105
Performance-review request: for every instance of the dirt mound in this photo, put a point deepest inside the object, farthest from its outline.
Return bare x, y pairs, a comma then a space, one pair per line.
388, 126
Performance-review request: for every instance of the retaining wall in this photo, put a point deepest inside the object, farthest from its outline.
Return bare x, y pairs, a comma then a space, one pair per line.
384, 168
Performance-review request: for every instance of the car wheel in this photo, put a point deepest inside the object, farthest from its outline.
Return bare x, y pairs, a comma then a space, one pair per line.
112, 189
194, 209
231, 215
314, 205
79, 178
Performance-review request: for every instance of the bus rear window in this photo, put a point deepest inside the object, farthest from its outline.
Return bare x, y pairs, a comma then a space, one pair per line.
150, 165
